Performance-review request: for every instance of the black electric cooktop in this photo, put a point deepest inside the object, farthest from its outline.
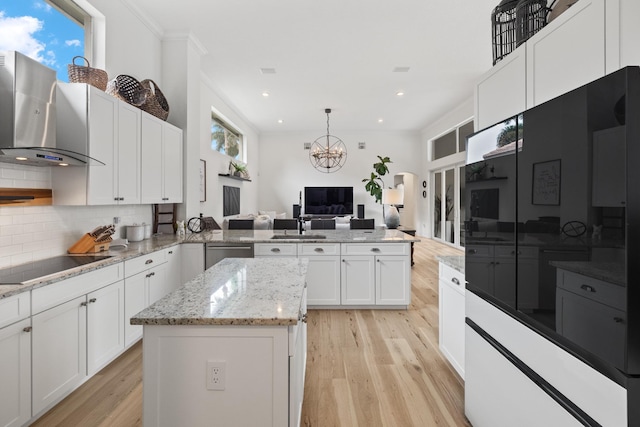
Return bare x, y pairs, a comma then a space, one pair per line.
35, 269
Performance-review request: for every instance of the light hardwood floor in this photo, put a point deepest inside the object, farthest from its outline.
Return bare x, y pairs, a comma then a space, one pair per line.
364, 368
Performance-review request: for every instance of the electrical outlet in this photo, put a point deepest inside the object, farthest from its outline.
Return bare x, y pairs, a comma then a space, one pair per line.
216, 374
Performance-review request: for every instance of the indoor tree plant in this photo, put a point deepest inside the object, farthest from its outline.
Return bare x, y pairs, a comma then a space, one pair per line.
375, 184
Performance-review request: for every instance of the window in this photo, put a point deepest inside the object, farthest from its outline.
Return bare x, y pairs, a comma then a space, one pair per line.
452, 142
51, 32
225, 139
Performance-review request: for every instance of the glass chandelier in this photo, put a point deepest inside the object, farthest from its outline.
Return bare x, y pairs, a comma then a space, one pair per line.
328, 153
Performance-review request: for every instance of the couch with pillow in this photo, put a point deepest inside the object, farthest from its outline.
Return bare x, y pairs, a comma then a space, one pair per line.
263, 220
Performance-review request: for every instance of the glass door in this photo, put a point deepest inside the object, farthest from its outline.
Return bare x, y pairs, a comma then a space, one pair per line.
447, 218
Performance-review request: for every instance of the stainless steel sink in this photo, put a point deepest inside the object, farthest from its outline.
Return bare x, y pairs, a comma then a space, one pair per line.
298, 236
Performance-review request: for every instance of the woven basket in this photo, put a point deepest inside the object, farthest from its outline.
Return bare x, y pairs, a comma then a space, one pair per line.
128, 89
86, 74
156, 104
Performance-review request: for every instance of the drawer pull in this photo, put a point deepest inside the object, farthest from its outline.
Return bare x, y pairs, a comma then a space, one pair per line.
149, 261
319, 250
170, 252
275, 249
27, 329
472, 251
375, 250
92, 300
618, 319
455, 280
588, 288
83, 304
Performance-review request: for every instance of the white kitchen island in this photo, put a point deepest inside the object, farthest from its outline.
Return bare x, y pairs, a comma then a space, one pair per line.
229, 347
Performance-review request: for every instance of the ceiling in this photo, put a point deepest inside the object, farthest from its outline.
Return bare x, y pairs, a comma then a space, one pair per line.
338, 54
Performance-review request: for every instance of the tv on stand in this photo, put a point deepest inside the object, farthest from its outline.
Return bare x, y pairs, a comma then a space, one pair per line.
328, 201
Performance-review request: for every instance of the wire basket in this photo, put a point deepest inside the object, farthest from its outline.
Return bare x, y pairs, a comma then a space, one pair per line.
86, 74
503, 29
531, 17
128, 89
155, 104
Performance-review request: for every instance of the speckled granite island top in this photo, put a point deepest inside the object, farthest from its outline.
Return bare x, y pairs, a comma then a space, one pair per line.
454, 261
235, 291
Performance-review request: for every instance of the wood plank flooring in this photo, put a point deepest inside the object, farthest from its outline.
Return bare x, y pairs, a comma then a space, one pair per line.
364, 368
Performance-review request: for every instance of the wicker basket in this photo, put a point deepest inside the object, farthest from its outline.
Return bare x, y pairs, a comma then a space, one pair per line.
156, 104
128, 89
86, 74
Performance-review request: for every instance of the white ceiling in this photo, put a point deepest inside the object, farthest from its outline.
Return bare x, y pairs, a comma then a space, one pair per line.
337, 54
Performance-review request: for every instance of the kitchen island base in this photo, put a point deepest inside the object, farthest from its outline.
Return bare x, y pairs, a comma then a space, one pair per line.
256, 381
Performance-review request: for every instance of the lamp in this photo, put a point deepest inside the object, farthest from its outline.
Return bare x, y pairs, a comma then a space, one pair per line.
392, 197
328, 153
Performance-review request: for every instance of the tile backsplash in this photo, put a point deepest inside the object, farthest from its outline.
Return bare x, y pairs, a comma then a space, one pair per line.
35, 232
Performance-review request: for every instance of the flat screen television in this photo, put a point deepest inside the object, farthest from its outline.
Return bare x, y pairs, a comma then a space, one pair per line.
328, 200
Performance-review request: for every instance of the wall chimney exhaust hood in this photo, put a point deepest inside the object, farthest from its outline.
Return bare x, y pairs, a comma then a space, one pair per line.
28, 112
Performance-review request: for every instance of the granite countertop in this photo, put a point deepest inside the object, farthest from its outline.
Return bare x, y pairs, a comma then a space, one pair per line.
379, 235
161, 241
611, 272
133, 250
236, 291
454, 261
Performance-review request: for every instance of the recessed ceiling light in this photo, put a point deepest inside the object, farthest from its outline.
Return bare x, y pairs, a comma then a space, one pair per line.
268, 70
280, 121
401, 70
265, 94
400, 93
380, 120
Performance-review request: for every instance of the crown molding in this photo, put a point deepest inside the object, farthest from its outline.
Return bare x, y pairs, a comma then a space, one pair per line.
151, 24
187, 36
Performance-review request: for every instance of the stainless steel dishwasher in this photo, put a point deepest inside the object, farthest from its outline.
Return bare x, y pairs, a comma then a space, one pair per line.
215, 252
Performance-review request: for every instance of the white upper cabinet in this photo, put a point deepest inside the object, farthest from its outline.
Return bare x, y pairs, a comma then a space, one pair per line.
589, 40
161, 161
501, 92
568, 53
106, 129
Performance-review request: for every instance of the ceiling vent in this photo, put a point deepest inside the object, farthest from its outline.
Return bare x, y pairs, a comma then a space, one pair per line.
401, 70
307, 146
268, 70
362, 145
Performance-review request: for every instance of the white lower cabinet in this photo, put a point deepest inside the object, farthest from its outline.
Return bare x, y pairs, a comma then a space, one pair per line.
174, 268
358, 280
192, 261
145, 283
15, 373
297, 364
451, 316
376, 274
105, 330
323, 272
59, 352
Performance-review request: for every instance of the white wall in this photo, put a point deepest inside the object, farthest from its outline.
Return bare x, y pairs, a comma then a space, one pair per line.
284, 167
219, 163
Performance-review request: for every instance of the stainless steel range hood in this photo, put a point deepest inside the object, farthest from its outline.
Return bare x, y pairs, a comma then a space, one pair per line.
28, 112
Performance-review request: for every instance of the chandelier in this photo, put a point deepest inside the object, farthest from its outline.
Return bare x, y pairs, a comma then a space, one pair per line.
328, 153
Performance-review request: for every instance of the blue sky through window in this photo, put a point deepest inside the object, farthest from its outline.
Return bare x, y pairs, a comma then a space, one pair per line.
38, 30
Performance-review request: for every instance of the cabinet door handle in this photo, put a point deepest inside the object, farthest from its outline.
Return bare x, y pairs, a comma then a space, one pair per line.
170, 252
377, 260
344, 260
455, 280
375, 250
149, 275
149, 261
319, 250
92, 300
618, 319
516, 253
588, 288
83, 304
275, 250
27, 329
472, 251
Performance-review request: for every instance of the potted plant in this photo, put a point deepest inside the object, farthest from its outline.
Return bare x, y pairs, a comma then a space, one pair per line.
448, 209
239, 169
374, 183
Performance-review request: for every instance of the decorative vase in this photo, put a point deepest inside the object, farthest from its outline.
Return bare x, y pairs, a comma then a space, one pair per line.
392, 217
